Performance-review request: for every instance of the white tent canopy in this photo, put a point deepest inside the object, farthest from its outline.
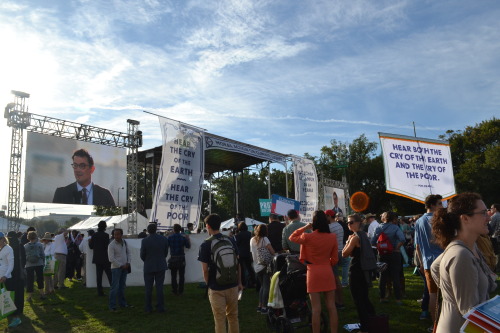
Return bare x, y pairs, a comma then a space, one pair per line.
4, 226
230, 223
112, 222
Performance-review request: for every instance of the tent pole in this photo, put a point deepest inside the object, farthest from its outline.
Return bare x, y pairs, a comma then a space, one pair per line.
269, 179
235, 181
286, 179
243, 213
210, 195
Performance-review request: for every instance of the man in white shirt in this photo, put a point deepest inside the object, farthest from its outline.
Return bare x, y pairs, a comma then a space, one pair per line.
372, 224
119, 256
61, 252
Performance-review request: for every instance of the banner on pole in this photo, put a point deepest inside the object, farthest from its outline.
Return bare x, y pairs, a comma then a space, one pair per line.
416, 167
281, 205
179, 189
306, 187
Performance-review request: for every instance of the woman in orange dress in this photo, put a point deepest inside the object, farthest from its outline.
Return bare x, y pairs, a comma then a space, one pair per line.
319, 250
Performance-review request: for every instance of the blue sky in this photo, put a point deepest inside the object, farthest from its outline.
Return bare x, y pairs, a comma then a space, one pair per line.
284, 75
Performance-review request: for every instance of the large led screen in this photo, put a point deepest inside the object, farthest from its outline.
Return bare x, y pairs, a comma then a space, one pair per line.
335, 199
60, 171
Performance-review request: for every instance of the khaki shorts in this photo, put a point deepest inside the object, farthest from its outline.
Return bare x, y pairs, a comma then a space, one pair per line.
431, 285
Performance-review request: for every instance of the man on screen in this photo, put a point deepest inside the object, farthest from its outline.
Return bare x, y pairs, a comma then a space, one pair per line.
83, 191
336, 207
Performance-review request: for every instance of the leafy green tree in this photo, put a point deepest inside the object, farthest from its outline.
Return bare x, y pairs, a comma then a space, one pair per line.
363, 169
109, 210
251, 188
278, 182
475, 153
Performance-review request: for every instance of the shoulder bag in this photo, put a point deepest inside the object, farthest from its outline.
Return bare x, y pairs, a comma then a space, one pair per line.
264, 257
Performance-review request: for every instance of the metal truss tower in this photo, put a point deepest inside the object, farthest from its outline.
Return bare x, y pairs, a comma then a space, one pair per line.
134, 142
19, 119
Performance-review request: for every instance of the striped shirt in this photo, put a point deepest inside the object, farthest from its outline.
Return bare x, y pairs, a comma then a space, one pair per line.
336, 228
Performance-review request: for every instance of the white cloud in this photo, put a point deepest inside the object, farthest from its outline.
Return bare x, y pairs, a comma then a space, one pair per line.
277, 73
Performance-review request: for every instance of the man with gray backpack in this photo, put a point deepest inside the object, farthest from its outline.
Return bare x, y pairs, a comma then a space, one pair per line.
221, 270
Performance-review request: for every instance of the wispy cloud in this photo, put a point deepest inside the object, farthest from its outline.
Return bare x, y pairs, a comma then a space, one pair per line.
246, 68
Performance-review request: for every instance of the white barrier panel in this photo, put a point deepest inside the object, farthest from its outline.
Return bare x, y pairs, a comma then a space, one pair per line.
136, 278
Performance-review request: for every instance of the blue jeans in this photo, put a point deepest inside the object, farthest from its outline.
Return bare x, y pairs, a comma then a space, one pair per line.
118, 279
264, 280
341, 270
345, 271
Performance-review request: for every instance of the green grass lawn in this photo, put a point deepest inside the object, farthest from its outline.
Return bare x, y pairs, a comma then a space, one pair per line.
78, 309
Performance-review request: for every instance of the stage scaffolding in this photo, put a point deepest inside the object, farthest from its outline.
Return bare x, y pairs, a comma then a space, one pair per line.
20, 119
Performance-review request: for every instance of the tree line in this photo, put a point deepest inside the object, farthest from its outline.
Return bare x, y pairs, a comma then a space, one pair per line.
475, 155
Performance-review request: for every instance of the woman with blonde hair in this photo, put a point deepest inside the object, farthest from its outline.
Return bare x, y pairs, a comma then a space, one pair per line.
461, 273
35, 259
358, 247
260, 240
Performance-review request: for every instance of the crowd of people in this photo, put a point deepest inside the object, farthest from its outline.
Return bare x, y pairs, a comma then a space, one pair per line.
26, 259
452, 248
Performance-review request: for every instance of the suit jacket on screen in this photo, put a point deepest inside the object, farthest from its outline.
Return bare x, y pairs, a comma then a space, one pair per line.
70, 195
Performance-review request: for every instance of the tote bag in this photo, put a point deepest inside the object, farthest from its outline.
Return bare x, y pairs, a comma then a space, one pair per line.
7, 305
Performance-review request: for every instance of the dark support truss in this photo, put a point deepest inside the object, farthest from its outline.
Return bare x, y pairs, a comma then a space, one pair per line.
19, 119
70, 130
134, 142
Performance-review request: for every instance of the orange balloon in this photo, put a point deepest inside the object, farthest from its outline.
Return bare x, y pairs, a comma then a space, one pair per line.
359, 201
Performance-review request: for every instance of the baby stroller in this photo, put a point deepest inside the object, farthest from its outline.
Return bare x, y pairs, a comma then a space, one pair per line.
289, 306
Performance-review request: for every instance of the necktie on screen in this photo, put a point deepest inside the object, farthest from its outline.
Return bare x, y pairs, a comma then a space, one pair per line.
84, 196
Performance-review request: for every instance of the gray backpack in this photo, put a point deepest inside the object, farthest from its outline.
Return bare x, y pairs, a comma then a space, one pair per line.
225, 260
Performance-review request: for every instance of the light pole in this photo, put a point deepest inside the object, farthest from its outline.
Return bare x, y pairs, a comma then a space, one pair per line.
118, 202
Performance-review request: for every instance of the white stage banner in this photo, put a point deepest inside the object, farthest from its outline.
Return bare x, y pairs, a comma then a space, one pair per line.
306, 187
416, 167
179, 190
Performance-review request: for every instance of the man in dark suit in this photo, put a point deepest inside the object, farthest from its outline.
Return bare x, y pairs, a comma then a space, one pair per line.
336, 207
99, 243
154, 250
83, 191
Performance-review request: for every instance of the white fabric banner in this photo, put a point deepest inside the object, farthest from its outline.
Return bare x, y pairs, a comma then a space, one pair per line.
178, 192
416, 167
306, 187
